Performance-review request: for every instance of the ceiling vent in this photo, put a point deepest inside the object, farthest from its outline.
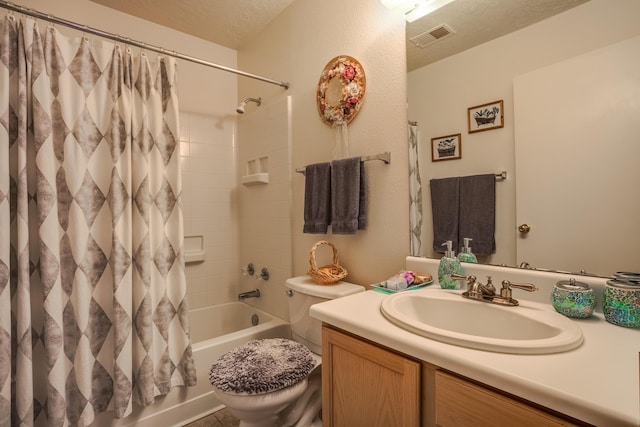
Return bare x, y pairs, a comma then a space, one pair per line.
433, 35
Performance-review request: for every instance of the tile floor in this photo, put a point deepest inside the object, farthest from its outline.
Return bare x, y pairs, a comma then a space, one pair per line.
221, 418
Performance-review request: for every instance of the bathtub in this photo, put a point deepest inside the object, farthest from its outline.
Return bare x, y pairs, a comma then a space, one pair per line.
215, 330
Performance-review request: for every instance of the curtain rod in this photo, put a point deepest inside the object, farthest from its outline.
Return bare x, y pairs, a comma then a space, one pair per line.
128, 41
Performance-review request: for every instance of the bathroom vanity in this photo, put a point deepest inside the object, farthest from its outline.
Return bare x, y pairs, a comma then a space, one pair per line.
376, 373
366, 384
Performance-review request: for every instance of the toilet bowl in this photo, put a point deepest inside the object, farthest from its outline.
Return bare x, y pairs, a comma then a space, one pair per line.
261, 394
261, 410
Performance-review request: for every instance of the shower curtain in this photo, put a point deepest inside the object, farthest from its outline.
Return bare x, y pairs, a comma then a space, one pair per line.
415, 194
93, 312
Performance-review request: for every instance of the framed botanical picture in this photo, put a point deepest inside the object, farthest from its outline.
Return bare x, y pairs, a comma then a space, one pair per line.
446, 147
485, 117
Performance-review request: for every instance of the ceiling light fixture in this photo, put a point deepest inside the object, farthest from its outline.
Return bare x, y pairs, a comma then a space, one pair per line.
414, 9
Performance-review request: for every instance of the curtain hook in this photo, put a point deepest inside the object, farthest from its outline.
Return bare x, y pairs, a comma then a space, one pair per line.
127, 44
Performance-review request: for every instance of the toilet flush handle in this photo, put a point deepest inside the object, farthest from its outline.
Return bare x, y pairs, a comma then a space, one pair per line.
289, 293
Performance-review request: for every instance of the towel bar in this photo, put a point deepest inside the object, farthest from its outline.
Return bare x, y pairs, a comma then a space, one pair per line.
385, 157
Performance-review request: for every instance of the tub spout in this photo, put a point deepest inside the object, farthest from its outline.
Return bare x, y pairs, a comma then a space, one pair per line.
251, 294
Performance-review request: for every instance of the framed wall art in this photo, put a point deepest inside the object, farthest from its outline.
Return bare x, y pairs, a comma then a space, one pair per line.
485, 117
446, 148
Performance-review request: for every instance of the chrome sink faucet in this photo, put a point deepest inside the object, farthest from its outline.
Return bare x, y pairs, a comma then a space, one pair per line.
505, 292
475, 289
478, 290
487, 293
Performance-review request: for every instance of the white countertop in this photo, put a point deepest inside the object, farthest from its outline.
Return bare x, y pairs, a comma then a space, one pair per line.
598, 382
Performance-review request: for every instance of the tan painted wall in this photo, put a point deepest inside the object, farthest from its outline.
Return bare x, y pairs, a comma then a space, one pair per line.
295, 48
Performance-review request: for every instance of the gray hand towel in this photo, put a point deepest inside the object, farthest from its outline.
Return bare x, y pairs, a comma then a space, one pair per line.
364, 200
478, 212
444, 205
348, 196
317, 198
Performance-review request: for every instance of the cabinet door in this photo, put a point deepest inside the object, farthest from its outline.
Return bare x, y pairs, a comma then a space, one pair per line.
364, 385
460, 403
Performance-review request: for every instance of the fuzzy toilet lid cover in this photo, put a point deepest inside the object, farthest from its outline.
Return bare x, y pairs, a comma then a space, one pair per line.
262, 366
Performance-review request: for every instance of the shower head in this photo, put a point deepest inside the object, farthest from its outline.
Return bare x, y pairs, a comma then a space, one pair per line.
240, 109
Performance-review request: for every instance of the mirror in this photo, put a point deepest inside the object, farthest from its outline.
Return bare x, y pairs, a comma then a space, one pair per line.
440, 93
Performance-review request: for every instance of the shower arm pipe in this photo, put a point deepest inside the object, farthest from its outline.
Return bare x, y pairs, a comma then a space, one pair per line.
50, 18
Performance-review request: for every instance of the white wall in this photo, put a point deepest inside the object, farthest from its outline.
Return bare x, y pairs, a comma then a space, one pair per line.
295, 48
208, 98
439, 95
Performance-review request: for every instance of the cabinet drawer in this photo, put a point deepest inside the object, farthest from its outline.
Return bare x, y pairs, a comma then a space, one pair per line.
461, 403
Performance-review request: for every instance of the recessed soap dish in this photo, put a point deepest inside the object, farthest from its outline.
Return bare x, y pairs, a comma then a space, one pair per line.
194, 248
255, 179
257, 172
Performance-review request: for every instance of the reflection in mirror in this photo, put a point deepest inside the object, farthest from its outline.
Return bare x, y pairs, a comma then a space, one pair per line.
440, 93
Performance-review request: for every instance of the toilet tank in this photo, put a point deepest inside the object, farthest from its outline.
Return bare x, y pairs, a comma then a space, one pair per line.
303, 292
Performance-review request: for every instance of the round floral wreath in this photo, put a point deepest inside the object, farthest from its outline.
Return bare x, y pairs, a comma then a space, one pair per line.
353, 83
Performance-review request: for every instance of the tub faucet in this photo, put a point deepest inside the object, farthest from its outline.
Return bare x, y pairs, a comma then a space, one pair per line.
251, 294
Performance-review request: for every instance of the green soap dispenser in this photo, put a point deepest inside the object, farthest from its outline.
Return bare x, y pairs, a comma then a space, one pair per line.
449, 264
466, 255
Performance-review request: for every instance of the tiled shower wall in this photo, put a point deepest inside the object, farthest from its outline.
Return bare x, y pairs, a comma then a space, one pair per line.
240, 224
209, 182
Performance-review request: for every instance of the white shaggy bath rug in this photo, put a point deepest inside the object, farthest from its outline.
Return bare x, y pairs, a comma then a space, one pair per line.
262, 366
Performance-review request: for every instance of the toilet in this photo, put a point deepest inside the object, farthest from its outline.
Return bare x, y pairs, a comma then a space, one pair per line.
260, 394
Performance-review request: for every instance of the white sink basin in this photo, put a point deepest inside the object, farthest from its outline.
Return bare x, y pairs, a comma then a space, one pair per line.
446, 316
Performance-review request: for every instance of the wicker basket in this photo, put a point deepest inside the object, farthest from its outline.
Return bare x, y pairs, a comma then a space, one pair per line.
328, 274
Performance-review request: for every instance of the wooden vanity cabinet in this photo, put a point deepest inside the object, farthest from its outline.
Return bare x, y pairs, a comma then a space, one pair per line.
460, 402
366, 385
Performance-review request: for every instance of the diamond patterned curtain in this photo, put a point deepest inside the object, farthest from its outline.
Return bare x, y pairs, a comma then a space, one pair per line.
93, 311
415, 194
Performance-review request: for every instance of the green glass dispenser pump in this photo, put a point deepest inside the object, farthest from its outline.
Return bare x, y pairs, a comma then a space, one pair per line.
449, 264
466, 255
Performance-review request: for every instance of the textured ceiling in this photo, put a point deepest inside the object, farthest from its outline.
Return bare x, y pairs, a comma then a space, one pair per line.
232, 23
229, 23
477, 21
